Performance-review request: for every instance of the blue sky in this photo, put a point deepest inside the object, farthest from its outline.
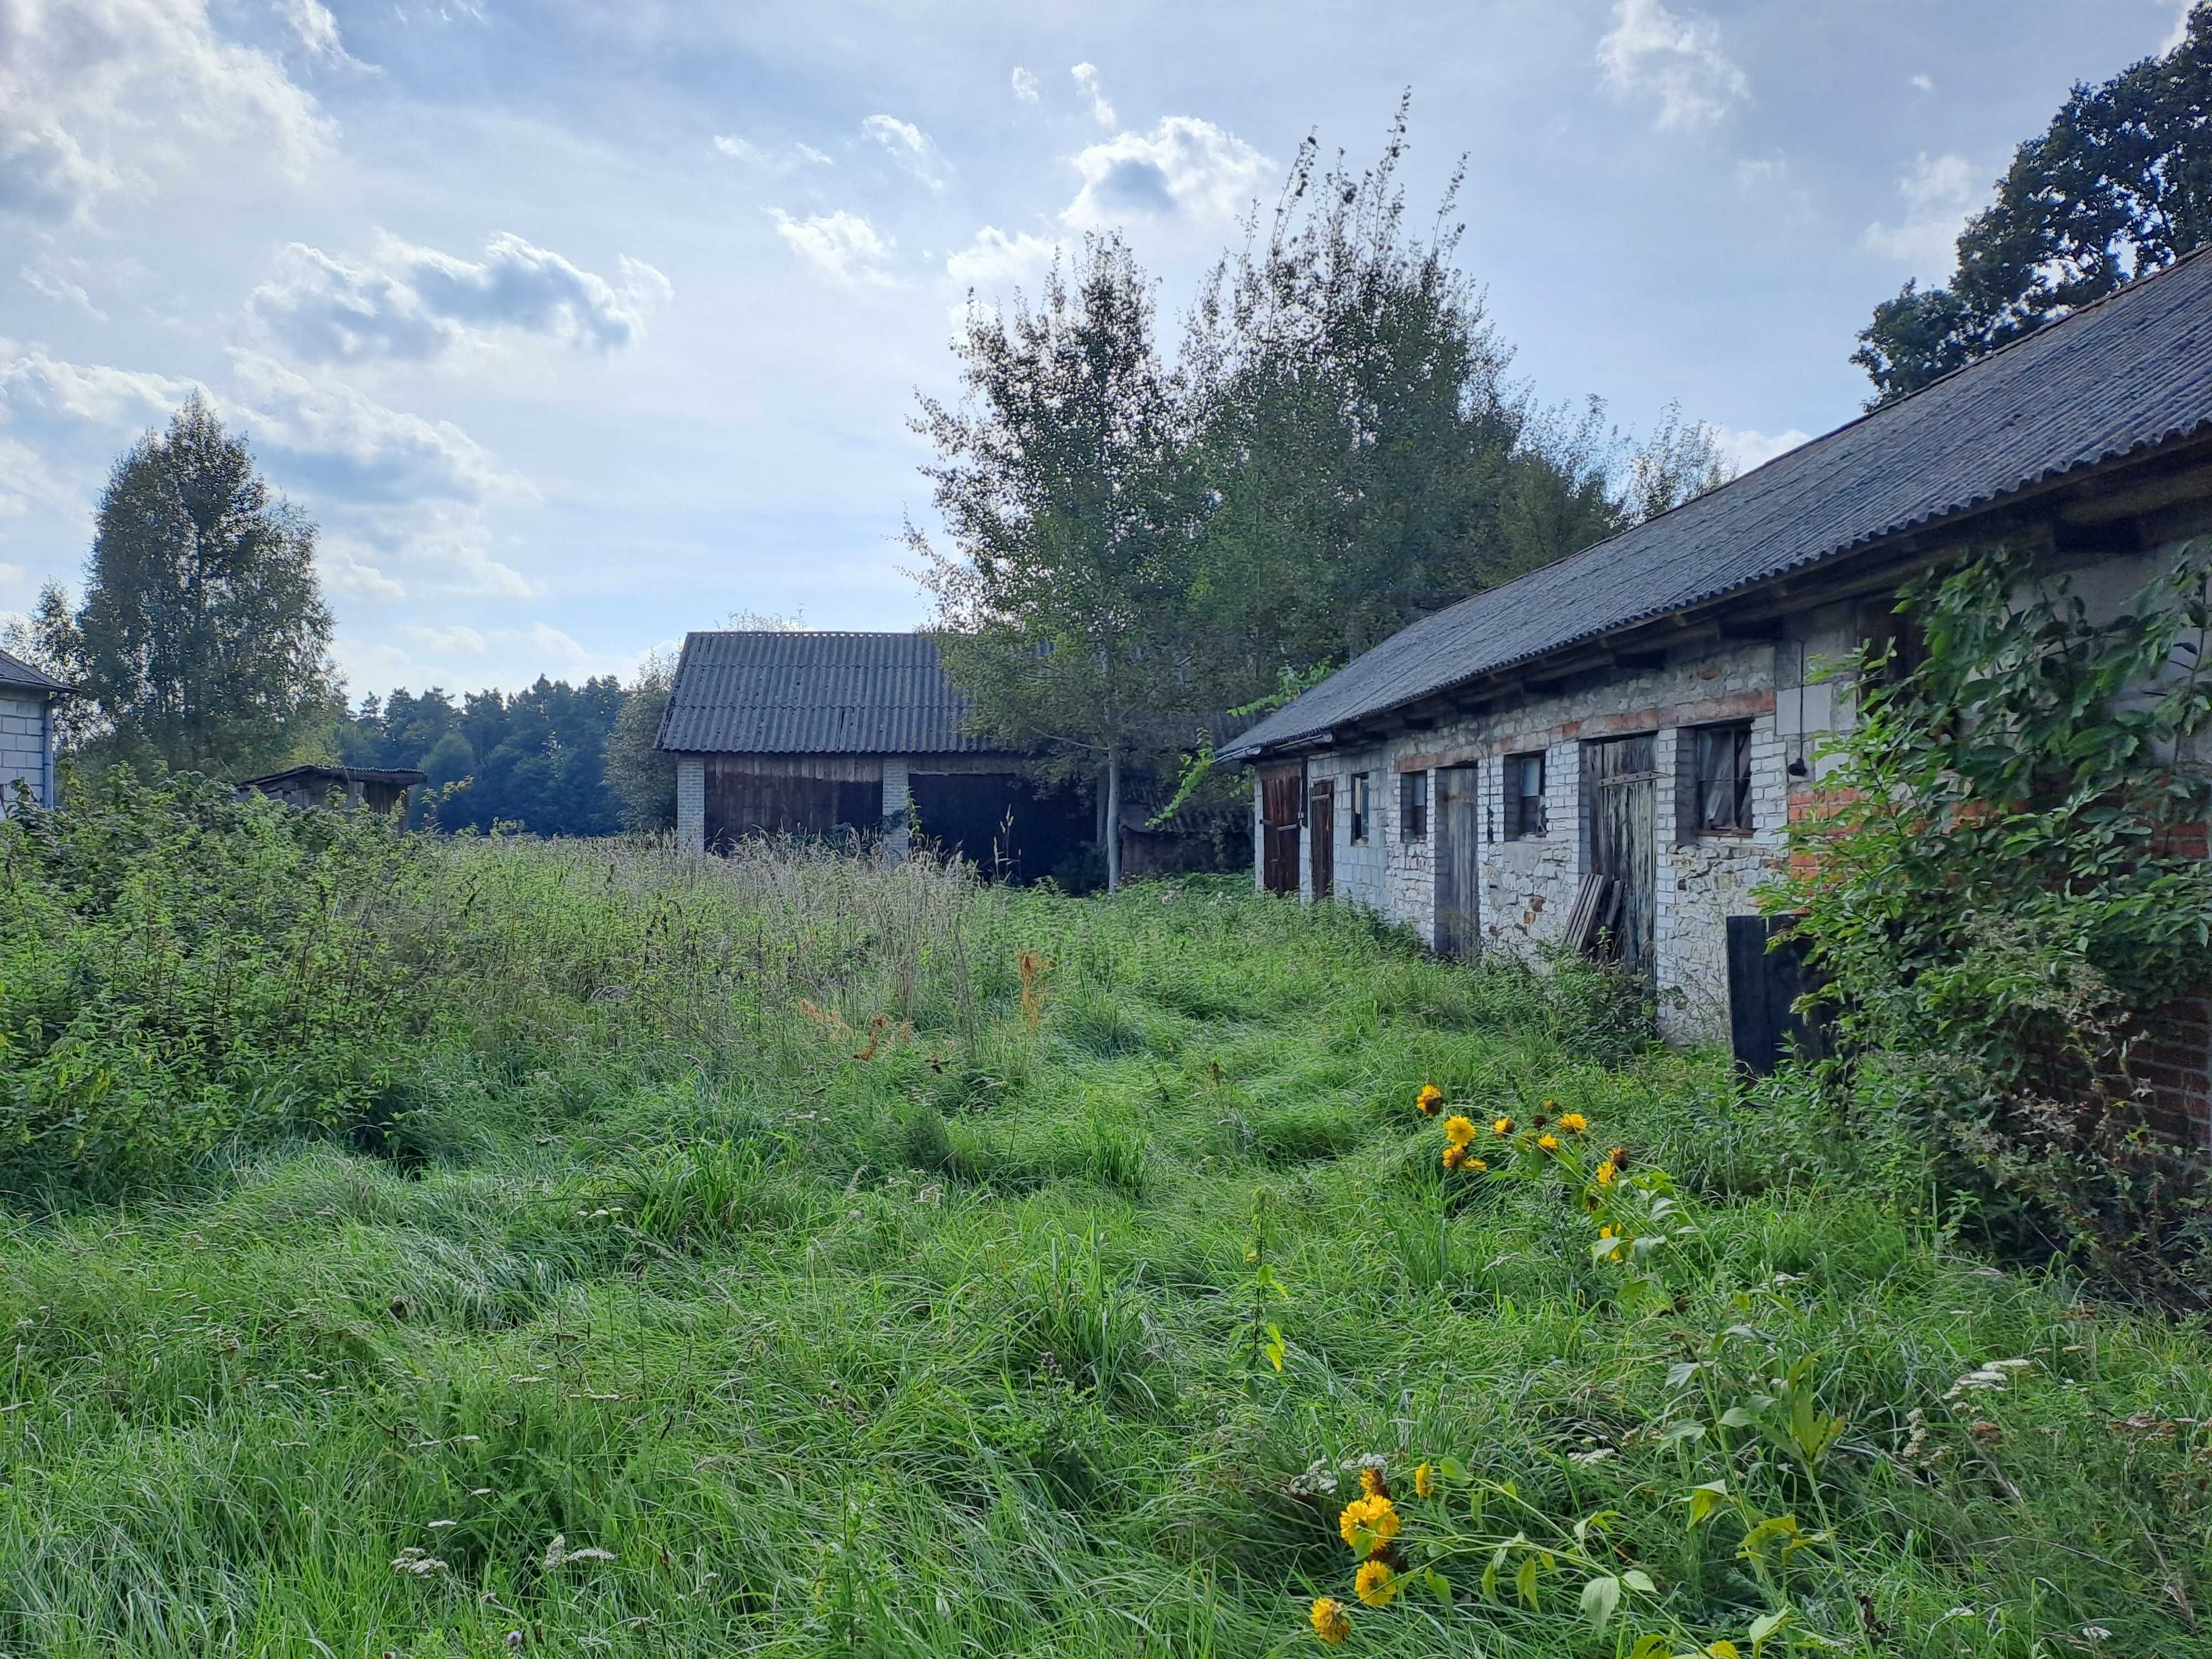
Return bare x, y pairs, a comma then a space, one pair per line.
577, 326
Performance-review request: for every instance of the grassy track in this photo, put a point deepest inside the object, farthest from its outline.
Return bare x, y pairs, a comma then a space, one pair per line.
953, 1348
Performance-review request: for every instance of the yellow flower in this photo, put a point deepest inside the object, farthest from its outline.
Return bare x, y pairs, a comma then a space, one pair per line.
1503, 1126
1605, 1232
1458, 1131
1575, 1122
1430, 1101
1550, 1105
1369, 1524
1332, 1621
1475, 1164
1547, 1143
1370, 1482
1605, 1173
1425, 1482
1455, 1157
1374, 1584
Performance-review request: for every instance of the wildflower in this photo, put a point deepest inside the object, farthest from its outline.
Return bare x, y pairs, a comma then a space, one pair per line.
1425, 1482
1458, 1131
1475, 1164
1617, 1158
1605, 1232
1604, 1173
1503, 1126
1374, 1584
1547, 1143
1455, 1157
1370, 1482
1549, 1105
1573, 1123
1430, 1101
1368, 1523
1331, 1621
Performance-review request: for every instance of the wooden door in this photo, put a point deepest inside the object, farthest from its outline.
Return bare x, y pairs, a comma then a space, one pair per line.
1457, 839
1622, 798
1321, 835
1280, 787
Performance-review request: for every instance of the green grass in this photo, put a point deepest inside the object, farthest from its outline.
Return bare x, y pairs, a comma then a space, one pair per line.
946, 1350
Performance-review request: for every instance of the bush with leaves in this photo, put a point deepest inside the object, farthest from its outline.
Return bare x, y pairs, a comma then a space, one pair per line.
2004, 884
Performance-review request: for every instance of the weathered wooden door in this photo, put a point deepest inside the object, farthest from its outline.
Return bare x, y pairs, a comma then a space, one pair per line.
1624, 776
1281, 789
1458, 835
1321, 835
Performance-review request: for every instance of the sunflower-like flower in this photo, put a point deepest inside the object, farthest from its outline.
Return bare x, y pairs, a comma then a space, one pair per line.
1474, 1163
1368, 1523
1455, 1157
1370, 1482
1430, 1101
1374, 1584
1458, 1131
1617, 1158
1605, 1173
1332, 1619
1573, 1123
1501, 1126
1424, 1481
1547, 1143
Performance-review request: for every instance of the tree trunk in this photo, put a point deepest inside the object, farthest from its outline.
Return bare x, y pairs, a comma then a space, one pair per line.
1113, 823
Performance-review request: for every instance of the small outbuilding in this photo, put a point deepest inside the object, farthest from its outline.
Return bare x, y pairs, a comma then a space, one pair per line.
380, 789
28, 697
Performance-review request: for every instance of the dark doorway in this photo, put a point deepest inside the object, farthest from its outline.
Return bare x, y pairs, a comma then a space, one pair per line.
1458, 831
1321, 835
741, 803
1280, 787
1765, 982
996, 821
1624, 776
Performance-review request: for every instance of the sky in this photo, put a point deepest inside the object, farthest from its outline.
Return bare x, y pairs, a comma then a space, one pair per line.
577, 326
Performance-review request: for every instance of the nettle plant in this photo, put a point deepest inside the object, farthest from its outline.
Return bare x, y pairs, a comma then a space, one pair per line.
2007, 875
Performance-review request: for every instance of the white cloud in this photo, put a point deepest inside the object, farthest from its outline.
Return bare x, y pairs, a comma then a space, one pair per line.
840, 245
318, 35
26, 481
345, 444
14, 580
1651, 50
1086, 82
94, 392
544, 640
346, 573
1922, 82
1025, 85
752, 155
454, 641
1938, 194
910, 146
994, 258
421, 548
417, 302
55, 286
1746, 449
99, 95
1184, 167
2180, 32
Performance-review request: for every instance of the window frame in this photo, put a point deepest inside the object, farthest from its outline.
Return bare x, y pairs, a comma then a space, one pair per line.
1517, 827
1359, 797
1413, 804
1742, 808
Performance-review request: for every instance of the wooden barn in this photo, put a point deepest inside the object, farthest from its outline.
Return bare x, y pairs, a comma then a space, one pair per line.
379, 789
818, 733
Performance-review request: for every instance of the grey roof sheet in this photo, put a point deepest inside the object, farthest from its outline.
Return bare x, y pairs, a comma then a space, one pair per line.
13, 670
816, 693
406, 776
2132, 371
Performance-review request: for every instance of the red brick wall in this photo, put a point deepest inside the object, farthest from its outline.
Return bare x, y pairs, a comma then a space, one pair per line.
2172, 1059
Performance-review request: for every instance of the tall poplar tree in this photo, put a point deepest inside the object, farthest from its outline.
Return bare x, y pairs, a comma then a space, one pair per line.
203, 640
1064, 483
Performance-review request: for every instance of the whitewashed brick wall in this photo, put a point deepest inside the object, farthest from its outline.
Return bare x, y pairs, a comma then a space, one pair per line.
898, 798
691, 803
26, 748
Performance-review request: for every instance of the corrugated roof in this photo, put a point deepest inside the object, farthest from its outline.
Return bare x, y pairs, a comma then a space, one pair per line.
2132, 371
815, 694
13, 670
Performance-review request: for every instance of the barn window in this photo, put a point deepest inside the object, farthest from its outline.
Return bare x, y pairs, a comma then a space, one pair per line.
1361, 806
1412, 806
1723, 779
1524, 795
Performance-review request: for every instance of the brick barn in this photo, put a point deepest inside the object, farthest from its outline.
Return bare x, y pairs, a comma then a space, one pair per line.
1610, 748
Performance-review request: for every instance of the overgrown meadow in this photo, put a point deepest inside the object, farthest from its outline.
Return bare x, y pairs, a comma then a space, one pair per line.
481, 1247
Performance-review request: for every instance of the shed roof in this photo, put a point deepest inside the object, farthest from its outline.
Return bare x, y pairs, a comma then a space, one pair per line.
2116, 378
406, 776
790, 693
15, 671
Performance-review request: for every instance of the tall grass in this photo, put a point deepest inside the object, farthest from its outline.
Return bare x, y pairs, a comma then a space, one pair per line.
745, 1221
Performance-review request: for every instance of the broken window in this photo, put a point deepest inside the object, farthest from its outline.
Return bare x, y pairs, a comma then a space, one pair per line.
1360, 807
1524, 795
1412, 806
1724, 777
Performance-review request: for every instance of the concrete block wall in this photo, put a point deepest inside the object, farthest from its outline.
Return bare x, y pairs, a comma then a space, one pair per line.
691, 803
26, 747
898, 801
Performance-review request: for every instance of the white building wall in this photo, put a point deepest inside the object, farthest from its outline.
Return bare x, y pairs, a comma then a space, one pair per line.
898, 802
26, 747
691, 803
